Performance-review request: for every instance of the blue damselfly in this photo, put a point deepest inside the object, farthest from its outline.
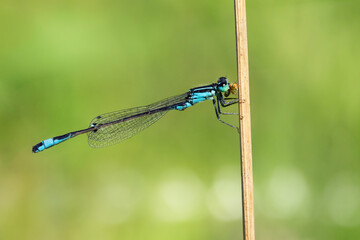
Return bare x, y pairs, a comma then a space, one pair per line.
110, 128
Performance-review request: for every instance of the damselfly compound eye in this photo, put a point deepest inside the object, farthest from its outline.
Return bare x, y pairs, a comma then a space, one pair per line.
222, 81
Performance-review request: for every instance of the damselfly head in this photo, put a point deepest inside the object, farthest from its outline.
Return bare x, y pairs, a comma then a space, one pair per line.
222, 84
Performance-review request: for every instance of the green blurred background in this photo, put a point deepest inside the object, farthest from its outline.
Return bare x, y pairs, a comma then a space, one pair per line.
64, 62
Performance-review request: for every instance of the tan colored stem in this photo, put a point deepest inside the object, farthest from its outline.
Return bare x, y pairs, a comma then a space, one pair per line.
245, 121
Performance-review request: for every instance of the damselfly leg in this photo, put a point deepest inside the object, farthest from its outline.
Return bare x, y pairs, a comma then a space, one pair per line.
222, 101
217, 112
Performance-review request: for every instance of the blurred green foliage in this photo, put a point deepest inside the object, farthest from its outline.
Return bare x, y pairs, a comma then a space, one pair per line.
64, 62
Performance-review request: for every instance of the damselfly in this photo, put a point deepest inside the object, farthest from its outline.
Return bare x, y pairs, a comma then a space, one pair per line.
110, 128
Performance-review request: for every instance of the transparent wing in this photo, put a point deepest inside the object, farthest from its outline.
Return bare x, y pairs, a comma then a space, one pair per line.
115, 133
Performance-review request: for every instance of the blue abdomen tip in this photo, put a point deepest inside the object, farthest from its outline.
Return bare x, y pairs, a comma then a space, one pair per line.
38, 147
50, 142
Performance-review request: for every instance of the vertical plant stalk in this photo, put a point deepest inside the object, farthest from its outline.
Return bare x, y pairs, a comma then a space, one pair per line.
245, 121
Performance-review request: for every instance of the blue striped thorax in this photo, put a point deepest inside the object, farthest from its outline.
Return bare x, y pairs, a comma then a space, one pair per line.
200, 94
